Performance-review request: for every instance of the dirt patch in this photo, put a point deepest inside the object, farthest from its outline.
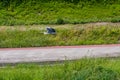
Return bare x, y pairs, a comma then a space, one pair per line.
65, 26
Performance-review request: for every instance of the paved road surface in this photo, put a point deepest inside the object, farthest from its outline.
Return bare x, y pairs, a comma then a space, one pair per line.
42, 54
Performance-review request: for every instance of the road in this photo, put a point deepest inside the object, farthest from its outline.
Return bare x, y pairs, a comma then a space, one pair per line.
57, 53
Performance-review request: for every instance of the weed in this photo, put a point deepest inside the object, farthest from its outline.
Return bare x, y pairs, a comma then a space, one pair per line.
60, 21
71, 36
83, 69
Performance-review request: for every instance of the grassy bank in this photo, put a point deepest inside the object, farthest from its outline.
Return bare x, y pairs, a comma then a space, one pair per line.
84, 69
66, 35
31, 12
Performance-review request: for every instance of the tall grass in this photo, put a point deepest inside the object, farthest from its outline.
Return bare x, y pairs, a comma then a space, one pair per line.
84, 69
71, 36
29, 12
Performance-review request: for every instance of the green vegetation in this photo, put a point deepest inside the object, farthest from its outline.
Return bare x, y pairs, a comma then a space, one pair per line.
34, 37
29, 12
84, 69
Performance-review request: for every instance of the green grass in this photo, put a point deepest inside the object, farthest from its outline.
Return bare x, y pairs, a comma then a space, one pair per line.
84, 69
53, 12
33, 36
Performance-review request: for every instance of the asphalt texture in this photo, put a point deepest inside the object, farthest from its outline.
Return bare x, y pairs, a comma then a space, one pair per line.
57, 53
